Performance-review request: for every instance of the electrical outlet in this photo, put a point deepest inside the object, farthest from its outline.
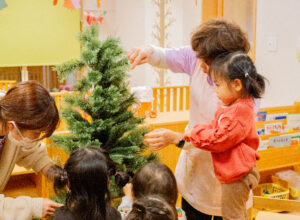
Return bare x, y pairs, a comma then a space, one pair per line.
272, 44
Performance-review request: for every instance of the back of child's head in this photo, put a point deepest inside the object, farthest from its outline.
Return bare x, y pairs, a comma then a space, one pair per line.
87, 173
238, 65
155, 178
31, 107
63, 213
152, 207
218, 36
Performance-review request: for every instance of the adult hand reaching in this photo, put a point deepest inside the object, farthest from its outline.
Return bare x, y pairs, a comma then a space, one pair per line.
160, 138
49, 207
138, 56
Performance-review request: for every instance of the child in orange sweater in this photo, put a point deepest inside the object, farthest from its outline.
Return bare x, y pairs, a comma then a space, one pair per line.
232, 137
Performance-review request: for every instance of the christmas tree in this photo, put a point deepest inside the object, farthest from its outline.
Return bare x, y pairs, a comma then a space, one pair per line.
98, 112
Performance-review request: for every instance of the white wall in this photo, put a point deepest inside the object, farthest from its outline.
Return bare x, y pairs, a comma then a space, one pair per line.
280, 19
133, 20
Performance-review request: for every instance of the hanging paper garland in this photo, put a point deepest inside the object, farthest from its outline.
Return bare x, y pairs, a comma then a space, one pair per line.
2, 4
68, 4
92, 18
76, 3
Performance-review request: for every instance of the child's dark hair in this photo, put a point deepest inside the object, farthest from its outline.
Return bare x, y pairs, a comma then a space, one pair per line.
63, 213
87, 173
239, 65
152, 208
155, 178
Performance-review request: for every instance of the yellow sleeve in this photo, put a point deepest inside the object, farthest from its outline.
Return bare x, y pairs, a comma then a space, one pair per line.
21, 208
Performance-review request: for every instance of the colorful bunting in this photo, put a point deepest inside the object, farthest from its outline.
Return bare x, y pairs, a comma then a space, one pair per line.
93, 17
91, 20
68, 4
2, 4
76, 3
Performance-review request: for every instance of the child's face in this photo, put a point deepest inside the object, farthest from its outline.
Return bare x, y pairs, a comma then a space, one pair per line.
227, 92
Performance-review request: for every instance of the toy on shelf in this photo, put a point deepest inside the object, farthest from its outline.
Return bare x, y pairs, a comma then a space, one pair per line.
261, 116
65, 88
293, 178
144, 94
277, 189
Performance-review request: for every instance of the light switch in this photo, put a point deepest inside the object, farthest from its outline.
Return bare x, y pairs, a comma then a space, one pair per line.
272, 44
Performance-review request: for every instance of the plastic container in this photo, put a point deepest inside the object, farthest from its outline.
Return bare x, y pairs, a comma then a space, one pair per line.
274, 190
277, 189
293, 178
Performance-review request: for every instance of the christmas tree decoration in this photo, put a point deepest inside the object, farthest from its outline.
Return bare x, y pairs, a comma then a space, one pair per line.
98, 112
84, 115
2, 4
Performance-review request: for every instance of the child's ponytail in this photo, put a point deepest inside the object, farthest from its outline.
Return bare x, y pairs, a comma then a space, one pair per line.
59, 176
152, 207
138, 211
239, 65
121, 179
254, 85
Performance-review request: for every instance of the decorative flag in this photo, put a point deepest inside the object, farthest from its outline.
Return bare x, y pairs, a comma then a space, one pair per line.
2, 4
68, 4
54, 2
76, 3
98, 4
93, 18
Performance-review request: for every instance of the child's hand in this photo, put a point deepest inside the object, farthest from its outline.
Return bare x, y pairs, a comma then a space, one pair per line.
187, 135
127, 189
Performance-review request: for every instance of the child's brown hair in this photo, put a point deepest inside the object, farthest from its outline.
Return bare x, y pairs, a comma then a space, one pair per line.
31, 107
218, 36
155, 178
152, 208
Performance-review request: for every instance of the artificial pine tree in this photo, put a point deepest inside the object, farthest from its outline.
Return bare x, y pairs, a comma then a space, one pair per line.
98, 112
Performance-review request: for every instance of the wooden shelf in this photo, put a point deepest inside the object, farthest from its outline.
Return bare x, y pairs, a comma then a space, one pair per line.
21, 170
21, 185
275, 158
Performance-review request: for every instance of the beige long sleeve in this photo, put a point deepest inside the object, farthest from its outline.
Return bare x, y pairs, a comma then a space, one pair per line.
20, 208
35, 158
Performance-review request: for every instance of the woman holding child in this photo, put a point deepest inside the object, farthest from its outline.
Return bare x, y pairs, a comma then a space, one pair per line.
197, 183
